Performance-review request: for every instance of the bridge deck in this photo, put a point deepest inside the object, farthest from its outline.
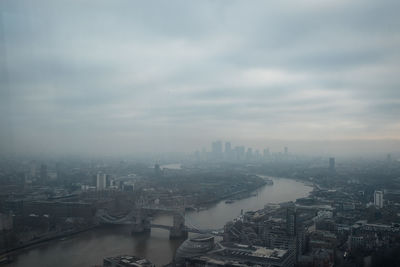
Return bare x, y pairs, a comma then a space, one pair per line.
107, 219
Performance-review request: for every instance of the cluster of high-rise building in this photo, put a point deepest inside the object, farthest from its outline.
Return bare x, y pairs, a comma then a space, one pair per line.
40, 177
226, 152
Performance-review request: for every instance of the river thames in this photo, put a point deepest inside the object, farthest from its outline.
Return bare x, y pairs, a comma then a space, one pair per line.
89, 248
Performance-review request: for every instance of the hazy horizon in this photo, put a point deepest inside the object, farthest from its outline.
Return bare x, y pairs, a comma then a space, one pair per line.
127, 77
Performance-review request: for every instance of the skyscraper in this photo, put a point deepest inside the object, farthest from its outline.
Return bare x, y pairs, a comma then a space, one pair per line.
43, 173
286, 150
239, 152
157, 170
249, 153
228, 148
291, 220
378, 199
101, 181
332, 164
33, 169
266, 152
216, 149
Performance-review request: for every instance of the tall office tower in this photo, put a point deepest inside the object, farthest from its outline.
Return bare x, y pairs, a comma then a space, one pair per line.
249, 153
101, 181
286, 150
43, 173
332, 164
291, 220
203, 154
228, 148
33, 169
239, 152
157, 170
217, 149
378, 199
266, 152
59, 170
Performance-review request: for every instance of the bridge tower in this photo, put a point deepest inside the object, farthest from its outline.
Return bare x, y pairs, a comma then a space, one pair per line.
178, 229
141, 222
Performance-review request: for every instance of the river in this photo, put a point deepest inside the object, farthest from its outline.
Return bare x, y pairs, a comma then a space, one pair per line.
89, 248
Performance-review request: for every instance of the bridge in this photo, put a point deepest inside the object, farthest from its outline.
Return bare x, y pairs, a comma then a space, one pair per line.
189, 229
140, 221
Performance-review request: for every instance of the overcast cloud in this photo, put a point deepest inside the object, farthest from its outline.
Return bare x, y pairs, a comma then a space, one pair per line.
125, 76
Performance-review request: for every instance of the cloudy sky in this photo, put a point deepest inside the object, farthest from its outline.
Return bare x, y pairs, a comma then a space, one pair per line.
132, 76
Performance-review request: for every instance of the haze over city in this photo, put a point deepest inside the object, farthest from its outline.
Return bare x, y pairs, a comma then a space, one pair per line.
116, 79
206, 133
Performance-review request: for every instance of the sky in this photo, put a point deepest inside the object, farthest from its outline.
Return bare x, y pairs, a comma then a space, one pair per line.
115, 77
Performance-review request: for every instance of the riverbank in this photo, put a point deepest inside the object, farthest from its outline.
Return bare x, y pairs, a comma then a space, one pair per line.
307, 183
216, 216
245, 192
9, 254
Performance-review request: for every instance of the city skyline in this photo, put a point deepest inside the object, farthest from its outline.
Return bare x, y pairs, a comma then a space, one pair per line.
200, 133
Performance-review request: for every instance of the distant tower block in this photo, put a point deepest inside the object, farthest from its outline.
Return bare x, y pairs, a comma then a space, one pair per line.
266, 152
101, 181
216, 149
157, 170
228, 147
286, 150
332, 164
43, 173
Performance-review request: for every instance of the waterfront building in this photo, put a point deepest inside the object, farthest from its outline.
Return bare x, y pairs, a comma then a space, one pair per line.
195, 246
234, 254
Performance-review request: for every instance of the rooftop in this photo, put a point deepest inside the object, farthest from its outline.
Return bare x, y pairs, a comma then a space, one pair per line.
256, 251
127, 260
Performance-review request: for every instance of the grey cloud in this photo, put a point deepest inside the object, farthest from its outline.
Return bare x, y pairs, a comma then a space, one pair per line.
131, 70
